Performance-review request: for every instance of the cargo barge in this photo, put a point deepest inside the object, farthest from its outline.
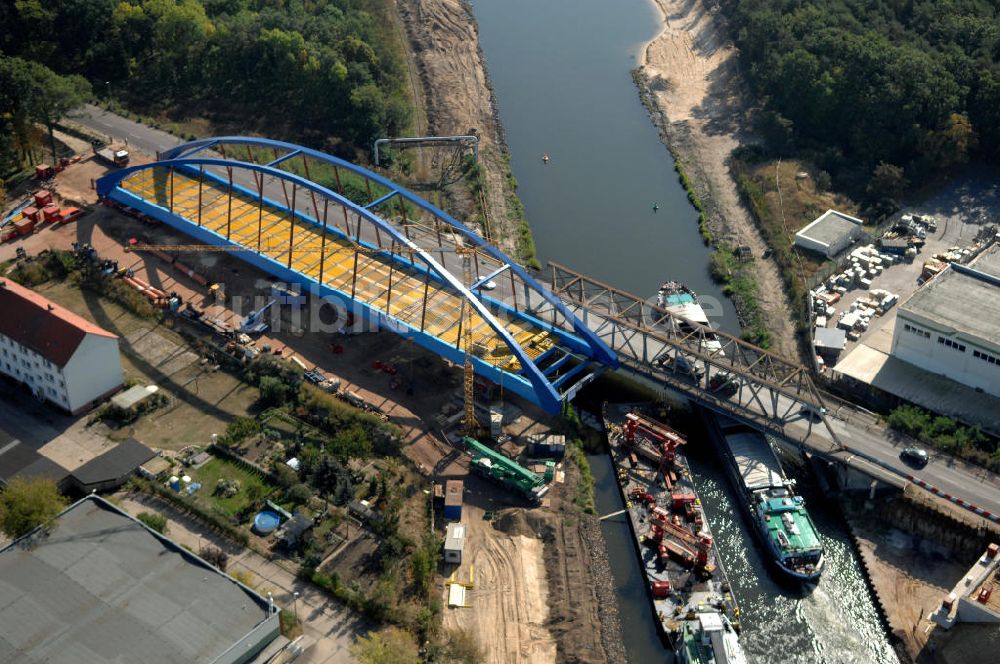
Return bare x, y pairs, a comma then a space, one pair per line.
686, 584
779, 517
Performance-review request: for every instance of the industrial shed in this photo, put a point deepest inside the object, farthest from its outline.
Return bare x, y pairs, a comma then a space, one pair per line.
830, 233
113, 468
951, 325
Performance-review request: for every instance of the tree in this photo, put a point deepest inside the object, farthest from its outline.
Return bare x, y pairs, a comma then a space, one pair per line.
28, 503
391, 645
330, 479
285, 476
273, 392
299, 494
155, 521
31, 92
887, 183
215, 556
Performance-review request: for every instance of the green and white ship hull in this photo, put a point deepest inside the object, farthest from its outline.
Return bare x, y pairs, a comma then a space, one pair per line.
778, 516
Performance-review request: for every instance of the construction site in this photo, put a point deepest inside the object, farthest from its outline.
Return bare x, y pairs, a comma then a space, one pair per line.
405, 316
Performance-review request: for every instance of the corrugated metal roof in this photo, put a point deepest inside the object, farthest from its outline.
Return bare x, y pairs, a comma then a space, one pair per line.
45, 327
99, 587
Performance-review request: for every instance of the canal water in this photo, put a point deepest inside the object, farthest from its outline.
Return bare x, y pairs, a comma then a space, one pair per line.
560, 69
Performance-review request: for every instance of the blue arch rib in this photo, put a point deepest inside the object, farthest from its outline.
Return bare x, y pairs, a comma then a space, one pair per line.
600, 351
546, 393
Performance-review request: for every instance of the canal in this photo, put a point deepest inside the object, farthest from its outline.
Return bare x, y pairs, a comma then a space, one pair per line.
560, 69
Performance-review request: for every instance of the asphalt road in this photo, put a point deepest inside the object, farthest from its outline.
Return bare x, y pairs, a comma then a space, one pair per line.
140, 137
854, 428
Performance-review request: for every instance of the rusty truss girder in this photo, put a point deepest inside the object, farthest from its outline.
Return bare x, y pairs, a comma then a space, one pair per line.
770, 391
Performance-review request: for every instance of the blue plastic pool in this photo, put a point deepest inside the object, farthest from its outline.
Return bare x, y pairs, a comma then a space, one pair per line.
265, 522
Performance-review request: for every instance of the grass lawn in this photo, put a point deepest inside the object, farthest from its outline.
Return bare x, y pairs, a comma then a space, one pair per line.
216, 469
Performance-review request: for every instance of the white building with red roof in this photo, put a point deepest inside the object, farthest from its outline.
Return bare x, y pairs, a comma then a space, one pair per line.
58, 355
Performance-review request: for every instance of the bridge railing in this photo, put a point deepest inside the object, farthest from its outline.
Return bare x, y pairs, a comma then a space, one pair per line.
644, 333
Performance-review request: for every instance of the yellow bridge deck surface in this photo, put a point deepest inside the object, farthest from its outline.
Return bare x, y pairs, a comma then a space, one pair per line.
444, 307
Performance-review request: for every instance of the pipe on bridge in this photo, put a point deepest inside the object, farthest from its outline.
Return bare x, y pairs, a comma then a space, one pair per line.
427, 139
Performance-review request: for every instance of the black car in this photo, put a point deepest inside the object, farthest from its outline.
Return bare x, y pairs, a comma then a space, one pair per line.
724, 384
914, 456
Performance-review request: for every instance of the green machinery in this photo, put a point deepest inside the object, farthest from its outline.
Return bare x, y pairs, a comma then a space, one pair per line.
495, 466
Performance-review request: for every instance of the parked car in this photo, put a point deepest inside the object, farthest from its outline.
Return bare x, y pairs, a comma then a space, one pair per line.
914, 456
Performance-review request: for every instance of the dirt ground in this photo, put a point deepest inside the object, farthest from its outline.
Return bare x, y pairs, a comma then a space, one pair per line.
537, 576
458, 96
508, 604
695, 85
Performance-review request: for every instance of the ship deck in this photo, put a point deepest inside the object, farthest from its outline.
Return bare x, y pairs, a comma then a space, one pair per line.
686, 581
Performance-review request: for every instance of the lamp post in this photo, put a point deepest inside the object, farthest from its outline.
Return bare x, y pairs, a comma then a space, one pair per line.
295, 606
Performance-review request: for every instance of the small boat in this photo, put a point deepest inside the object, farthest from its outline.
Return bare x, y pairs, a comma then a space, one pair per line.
545, 157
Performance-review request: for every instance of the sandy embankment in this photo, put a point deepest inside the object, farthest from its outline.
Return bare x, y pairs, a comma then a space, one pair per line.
696, 88
458, 96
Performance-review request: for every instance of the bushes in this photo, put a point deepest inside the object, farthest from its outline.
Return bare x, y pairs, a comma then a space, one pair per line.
585, 487
154, 521
52, 265
947, 435
239, 429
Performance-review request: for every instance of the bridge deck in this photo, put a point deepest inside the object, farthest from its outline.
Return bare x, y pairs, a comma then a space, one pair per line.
268, 229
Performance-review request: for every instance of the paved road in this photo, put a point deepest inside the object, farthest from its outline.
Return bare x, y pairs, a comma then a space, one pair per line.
139, 136
858, 431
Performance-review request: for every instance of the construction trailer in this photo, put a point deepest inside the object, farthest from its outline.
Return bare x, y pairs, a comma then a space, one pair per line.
498, 468
454, 543
453, 494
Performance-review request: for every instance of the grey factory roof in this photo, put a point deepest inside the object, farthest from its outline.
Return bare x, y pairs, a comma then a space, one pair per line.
830, 227
20, 460
101, 587
965, 299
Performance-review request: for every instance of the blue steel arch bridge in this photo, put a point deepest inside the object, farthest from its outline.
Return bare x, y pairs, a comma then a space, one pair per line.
352, 235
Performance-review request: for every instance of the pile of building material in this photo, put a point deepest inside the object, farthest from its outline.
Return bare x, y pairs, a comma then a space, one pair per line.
156, 297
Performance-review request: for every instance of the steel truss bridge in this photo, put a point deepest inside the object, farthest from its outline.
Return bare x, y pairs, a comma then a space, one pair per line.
354, 236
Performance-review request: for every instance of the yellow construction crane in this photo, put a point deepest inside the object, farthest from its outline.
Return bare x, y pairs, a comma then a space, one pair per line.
469, 375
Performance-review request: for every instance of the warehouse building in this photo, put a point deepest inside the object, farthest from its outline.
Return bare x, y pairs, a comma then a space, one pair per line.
951, 325
58, 355
830, 233
99, 586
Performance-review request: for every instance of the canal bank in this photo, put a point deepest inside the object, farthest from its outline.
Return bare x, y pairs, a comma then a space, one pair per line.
568, 93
